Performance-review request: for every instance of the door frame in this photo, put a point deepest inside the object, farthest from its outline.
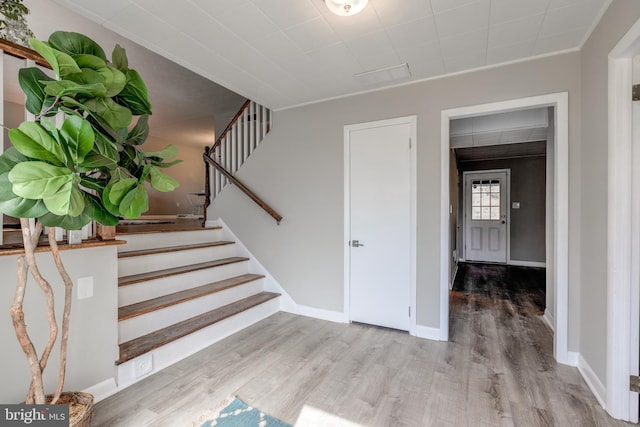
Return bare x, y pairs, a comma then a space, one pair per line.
412, 121
623, 233
507, 205
559, 223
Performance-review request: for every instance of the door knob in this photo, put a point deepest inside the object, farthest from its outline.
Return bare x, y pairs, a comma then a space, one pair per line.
356, 243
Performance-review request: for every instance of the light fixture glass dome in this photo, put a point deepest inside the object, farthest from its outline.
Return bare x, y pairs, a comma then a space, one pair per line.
346, 7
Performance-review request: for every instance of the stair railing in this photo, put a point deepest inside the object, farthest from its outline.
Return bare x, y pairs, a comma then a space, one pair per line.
232, 148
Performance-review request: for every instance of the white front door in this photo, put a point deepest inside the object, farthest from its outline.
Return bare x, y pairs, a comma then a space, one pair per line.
485, 200
380, 224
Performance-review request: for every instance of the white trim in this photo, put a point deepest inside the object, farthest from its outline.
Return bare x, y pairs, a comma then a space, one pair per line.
561, 203
270, 283
322, 314
572, 358
527, 263
549, 320
428, 333
412, 121
622, 233
102, 390
592, 380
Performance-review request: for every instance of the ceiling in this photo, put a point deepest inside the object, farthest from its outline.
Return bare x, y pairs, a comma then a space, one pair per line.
502, 151
283, 53
187, 108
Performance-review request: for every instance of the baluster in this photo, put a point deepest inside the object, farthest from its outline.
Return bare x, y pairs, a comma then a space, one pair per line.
245, 135
265, 118
258, 126
252, 124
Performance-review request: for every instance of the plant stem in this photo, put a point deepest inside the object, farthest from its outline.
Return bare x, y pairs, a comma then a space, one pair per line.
68, 294
30, 240
36, 390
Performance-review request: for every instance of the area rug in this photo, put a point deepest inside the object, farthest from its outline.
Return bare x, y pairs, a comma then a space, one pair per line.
239, 414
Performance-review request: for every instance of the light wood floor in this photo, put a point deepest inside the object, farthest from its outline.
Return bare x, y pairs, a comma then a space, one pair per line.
496, 370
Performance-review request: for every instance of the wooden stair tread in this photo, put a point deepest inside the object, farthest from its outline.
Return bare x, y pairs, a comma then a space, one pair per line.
148, 306
161, 228
139, 346
154, 251
158, 274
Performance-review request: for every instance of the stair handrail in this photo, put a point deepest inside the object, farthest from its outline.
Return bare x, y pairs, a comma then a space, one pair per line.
233, 121
230, 150
210, 161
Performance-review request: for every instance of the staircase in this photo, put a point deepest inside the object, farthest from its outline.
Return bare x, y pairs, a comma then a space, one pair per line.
179, 292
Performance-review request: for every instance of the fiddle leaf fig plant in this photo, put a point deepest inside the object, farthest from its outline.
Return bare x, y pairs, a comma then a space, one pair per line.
79, 159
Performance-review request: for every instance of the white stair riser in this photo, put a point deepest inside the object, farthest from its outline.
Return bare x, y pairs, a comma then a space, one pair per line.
147, 323
177, 350
141, 241
154, 262
149, 289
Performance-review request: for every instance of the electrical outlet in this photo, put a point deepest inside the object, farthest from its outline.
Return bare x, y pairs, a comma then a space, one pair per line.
85, 287
142, 366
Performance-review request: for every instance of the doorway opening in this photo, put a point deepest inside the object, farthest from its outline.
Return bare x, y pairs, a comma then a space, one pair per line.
551, 251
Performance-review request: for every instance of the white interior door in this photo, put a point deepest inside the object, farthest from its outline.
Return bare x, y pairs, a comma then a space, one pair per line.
485, 200
380, 230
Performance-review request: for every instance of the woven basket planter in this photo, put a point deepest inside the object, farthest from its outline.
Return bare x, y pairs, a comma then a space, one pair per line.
80, 407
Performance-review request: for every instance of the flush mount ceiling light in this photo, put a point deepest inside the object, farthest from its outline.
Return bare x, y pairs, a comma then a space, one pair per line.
346, 7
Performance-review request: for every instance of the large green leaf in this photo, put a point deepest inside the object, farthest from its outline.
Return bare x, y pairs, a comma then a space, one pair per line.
140, 132
32, 140
106, 147
90, 61
67, 201
96, 161
112, 208
79, 137
135, 202
75, 44
160, 164
119, 58
39, 180
91, 183
60, 88
118, 81
162, 182
168, 152
62, 63
19, 207
95, 209
113, 79
134, 95
30, 81
120, 189
65, 221
116, 116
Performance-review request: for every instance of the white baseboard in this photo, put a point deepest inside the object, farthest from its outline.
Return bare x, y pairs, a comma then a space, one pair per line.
102, 390
595, 385
211, 223
517, 263
549, 320
319, 313
572, 358
430, 333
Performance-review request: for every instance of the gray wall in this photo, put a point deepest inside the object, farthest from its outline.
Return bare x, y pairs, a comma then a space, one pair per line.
189, 173
298, 169
93, 340
593, 157
527, 226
